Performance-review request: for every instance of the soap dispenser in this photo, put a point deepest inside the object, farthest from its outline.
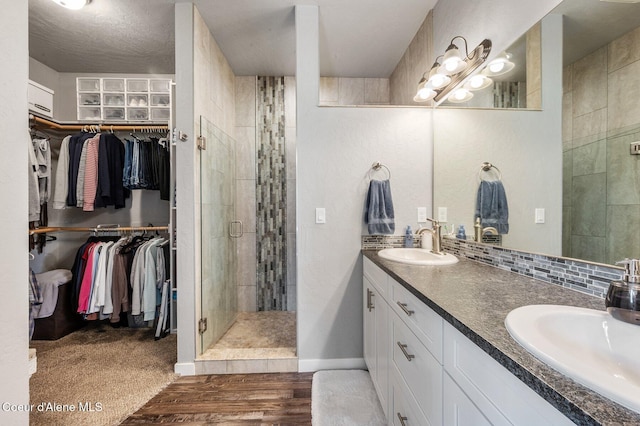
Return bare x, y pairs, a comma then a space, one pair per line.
623, 297
408, 237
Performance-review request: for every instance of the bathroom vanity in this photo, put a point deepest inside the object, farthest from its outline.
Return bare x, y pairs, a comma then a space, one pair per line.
438, 351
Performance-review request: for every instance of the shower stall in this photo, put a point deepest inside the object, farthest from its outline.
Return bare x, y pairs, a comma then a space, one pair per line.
248, 228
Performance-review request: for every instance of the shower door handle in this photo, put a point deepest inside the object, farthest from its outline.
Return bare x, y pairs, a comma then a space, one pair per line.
235, 229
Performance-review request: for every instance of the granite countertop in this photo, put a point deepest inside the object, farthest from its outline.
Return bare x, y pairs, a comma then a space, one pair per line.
476, 298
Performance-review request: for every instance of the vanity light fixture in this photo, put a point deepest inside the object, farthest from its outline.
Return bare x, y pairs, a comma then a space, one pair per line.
444, 78
460, 95
453, 61
478, 82
73, 4
425, 92
500, 65
437, 79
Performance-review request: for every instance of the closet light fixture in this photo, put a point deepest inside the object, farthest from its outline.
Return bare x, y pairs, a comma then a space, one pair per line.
73, 4
500, 65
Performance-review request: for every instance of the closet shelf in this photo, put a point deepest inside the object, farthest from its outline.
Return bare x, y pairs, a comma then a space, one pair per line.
52, 124
50, 229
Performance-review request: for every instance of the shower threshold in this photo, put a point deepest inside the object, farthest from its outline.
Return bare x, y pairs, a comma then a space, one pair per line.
257, 342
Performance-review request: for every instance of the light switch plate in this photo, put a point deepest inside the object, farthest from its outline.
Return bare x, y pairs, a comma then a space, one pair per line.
539, 215
321, 216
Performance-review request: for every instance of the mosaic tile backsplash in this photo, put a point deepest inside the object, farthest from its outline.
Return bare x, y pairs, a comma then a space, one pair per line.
271, 195
585, 277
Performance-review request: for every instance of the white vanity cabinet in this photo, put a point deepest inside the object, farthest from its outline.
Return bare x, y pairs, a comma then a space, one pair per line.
376, 330
486, 387
428, 373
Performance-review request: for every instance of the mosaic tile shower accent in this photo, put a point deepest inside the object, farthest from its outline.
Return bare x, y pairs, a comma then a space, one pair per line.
585, 277
271, 196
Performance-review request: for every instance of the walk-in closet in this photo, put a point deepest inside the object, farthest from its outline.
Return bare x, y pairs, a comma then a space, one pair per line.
165, 233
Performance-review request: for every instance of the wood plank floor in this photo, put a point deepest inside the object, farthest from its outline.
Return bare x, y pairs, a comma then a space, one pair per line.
232, 399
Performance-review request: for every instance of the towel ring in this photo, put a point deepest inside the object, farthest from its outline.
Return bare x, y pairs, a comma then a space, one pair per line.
377, 166
486, 167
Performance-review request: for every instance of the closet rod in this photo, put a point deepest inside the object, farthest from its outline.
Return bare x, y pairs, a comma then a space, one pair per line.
49, 229
105, 126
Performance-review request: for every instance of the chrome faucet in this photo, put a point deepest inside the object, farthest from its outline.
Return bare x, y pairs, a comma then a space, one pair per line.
436, 235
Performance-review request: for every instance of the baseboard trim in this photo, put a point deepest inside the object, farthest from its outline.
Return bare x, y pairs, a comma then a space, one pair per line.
185, 368
309, 365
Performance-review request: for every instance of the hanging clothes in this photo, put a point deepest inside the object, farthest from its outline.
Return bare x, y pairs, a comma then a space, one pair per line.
147, 165
112, 276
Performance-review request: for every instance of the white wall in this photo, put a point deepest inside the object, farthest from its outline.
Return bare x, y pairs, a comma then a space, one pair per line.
187, 208
335, 149
14, 333
525, 145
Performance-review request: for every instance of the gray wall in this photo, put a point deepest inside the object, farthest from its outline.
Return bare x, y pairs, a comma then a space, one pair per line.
14, 333
336, 147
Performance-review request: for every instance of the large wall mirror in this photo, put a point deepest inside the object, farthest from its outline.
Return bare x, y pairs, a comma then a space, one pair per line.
572, 159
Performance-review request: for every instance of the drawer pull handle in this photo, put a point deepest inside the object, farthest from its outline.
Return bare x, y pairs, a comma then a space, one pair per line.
403, 306
402, 419
403, 348
369, 302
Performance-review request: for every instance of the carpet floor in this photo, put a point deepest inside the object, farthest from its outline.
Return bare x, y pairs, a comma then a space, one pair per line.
98, 375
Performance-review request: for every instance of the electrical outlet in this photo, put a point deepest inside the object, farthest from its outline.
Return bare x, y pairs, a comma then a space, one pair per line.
442, 214
634, 148
422, 214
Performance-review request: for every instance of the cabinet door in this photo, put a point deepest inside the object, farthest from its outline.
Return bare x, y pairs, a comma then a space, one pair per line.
369, 334
376, 342
498, 394
458, 408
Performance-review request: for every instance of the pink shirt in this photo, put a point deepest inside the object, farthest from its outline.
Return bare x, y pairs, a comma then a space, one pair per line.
91, 174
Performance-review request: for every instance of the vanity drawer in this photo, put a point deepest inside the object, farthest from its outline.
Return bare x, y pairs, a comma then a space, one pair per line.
419, 369
376, 276
405, 409
422, 320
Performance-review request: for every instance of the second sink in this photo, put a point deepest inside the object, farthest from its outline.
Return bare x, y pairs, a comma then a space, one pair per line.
417, 256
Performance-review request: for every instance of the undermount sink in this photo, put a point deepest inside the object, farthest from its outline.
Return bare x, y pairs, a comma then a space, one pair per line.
589, 346
417, 256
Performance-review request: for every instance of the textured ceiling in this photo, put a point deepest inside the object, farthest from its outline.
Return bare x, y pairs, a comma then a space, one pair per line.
363, 38
107, 36
358, 38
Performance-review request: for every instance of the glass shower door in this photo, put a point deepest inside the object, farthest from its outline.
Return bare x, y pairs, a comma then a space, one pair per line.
218, 231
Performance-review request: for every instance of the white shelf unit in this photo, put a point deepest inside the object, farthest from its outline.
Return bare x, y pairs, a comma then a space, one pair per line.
123, 99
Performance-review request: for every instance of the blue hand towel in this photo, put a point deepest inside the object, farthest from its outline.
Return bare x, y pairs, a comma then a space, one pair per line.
379, 208
491, 206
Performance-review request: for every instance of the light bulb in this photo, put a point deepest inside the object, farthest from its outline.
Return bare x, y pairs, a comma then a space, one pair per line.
73, 4
439, 80
460, 94
496, 66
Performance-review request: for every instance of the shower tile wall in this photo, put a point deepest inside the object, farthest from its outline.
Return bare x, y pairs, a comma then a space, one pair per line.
601, 194
273, 272
271, 195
